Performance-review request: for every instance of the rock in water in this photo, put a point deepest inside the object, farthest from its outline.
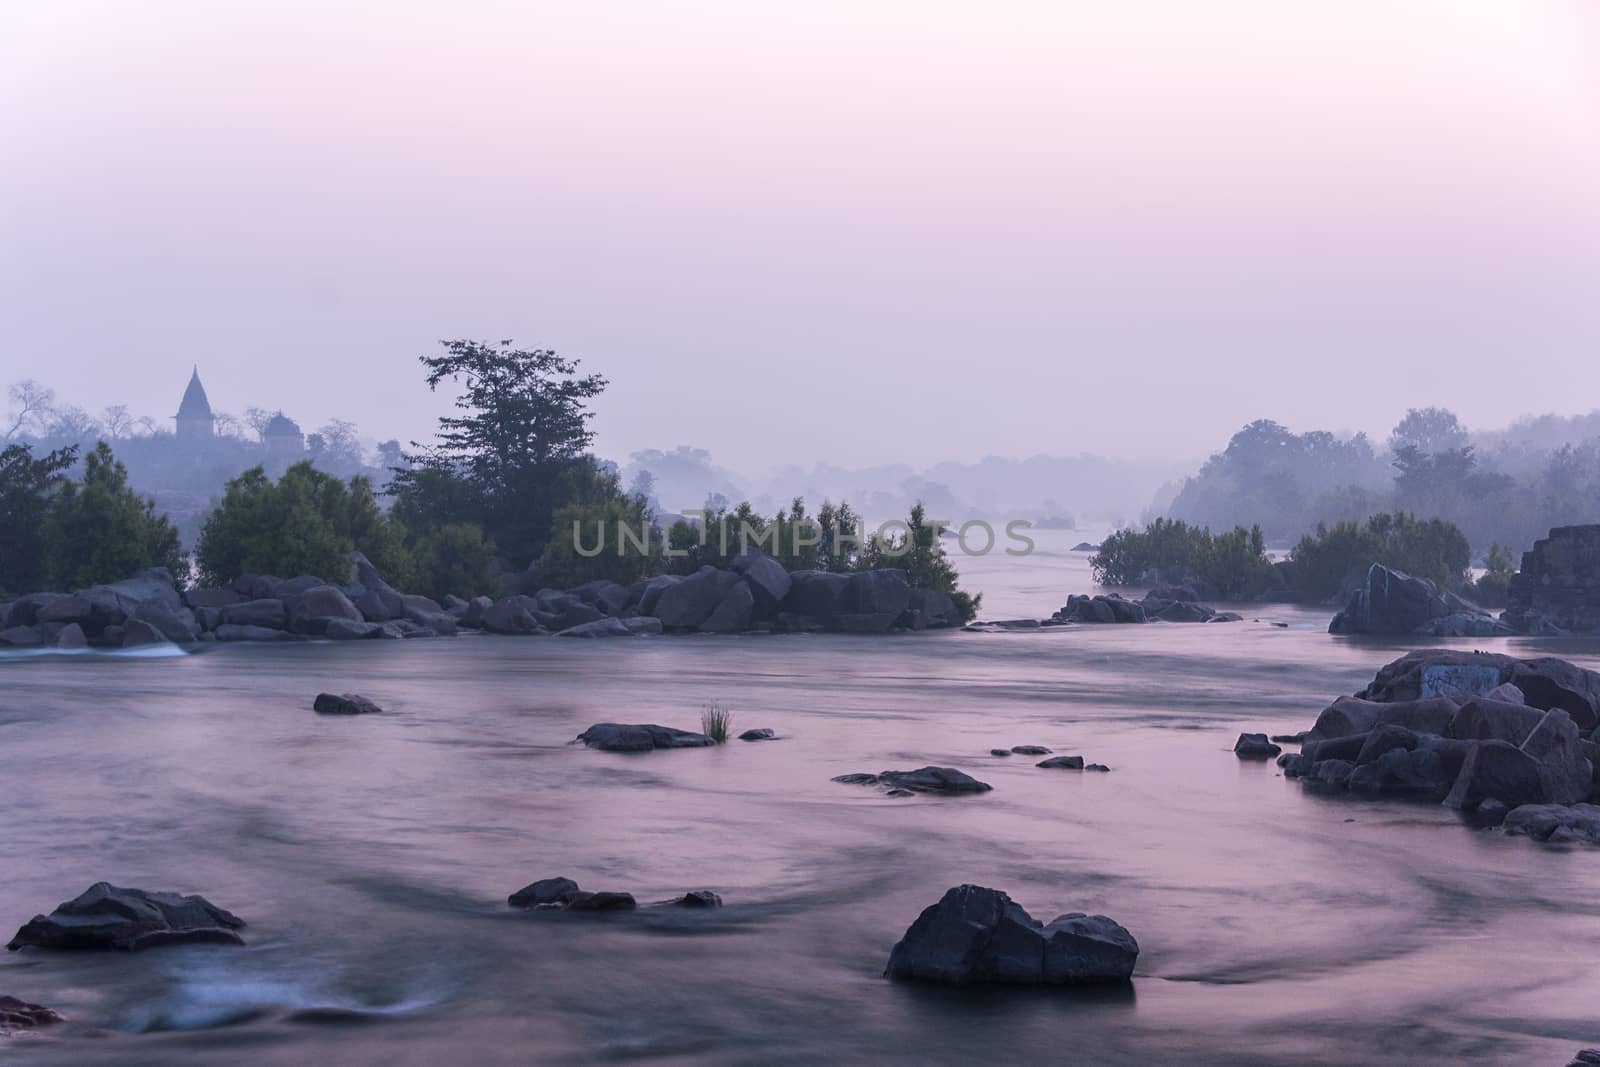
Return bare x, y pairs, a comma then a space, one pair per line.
698, 898
639, 737
603, 901
1063, 763
979, 935
347, 704
1255, 746
105, 916
20, 1015
1030, 750
934, 780
544, 891
762, 733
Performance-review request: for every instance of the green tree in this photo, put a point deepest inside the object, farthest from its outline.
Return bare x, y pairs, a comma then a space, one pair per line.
1235, 564
455, 558
27, 487
1433, 549
99, 530
518, 443
308, 522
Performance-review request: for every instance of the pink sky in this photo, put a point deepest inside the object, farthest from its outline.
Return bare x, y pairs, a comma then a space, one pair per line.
847, 232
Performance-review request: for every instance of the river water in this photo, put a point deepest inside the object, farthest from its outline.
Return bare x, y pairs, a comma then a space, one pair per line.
372, 856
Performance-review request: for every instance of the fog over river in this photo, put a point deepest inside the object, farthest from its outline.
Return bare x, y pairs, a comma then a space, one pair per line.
372, 856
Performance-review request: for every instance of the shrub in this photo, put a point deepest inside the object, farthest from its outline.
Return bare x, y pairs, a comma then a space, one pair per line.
716, 721
308, 522
1165, 544
98, 530
1493, 587
455, 558
27, 488
1434, 549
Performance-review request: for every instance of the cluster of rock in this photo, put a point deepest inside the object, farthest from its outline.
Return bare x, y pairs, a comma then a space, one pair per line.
756, 593
1478, 732
105, 916
1065, 763
1161, 604
976, 935
1558, 588
945, 781
563, 894
1393, 602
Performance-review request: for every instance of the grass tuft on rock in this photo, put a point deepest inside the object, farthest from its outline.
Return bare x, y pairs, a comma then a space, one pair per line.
716, 722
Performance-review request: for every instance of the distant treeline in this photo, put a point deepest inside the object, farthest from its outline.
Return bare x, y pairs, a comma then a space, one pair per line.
1508, 488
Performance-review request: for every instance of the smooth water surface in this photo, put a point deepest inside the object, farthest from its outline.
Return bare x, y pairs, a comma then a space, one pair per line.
372, 856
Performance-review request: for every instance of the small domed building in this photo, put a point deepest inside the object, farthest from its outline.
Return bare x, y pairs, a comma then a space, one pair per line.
283, 438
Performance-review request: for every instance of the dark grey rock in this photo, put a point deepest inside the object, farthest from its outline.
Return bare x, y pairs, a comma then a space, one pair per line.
1030, 750
236, 632
1256, 747
601, 901
22, 637
602, 627
71, 636
698, 898
137, 632
763, 733
734, 613
934, 780
269, 614
345, 704
108, 917
653, 589
345, 630
769, 582
819, 595
544, 891
879, 592
1063, 763
975, 935
20, 1015
690, 602
639, 737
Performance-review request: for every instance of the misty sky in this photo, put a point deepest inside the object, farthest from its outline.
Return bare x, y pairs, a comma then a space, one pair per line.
856, 232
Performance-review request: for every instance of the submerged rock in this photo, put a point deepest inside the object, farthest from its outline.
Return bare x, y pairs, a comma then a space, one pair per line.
697, 898
105, 916
639, 737
346, 704
20, 1015
1030, 750
1064, 763
1255, 746
934, 780
601, 901
763, 733
946, 780
978, 935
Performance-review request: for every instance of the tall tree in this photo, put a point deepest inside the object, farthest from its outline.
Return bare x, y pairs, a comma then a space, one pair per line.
519, 440
100, 530
27, 487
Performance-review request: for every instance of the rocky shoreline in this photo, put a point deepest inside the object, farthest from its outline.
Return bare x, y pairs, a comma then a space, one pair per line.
1502, 740
755, 595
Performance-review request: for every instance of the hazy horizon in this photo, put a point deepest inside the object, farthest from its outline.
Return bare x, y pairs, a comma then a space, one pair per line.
863, 234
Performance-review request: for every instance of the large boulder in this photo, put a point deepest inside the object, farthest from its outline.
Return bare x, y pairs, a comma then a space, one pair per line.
21, 637
769, 582
1558, 585
137, 632
819, 595
267, 613
175, 624
931, 609
105, 916
511, 615
976, 935
690, 602
880, 592
71, 636
735, 611
608, 597
651, 593
639, 737
1545, 682
1393, 602
317, 606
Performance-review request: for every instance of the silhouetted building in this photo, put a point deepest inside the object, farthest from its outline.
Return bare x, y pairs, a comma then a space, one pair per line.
194, 418
284, 440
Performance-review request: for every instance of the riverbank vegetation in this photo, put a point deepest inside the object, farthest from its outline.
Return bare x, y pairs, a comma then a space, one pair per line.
1322, 565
